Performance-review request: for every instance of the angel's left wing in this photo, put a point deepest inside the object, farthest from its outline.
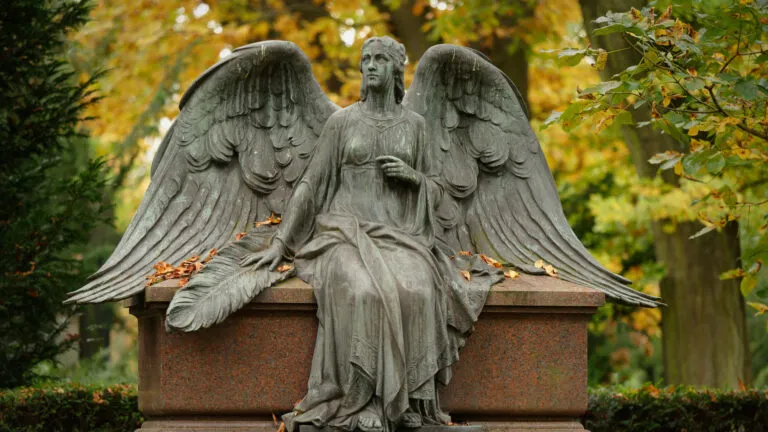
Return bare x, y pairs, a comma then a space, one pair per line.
501, 197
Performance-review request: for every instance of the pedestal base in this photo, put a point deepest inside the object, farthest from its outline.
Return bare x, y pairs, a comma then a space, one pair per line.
244, 425
523, 369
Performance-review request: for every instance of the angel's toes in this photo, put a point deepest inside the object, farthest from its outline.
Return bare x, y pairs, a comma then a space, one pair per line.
369, 423
412, 420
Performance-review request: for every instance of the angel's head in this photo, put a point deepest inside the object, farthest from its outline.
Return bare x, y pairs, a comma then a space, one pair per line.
382, 65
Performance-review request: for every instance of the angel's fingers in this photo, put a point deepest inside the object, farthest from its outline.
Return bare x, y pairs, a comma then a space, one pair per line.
274, 263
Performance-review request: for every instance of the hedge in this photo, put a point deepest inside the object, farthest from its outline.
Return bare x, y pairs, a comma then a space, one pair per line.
649, 409
70, 407
682, 409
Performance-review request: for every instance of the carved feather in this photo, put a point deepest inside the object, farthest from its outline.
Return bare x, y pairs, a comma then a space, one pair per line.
222, 286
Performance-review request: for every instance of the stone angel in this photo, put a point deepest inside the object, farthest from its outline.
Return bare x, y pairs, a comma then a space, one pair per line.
390, 209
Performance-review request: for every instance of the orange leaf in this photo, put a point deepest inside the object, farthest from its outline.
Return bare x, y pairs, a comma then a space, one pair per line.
490, 261
284, 268
238, 236
465, 253
466, 275
273, 219
742, 386
274, 419
281, 428
547, 268
511, 274
183, 281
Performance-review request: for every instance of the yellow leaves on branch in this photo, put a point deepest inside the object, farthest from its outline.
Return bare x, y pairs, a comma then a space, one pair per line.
273, 219
547, 268
182, 272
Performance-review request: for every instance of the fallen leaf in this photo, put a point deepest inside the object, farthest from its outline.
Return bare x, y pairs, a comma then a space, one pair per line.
465, 253
240, 235
274, 419
273, 219
466, 275
550, 270
284, 268
490, 261
511, 274
281, 428
742, 386
183, 281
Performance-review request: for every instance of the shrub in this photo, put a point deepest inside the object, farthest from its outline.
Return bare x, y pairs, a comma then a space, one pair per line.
679, 409
74, 407
70, 407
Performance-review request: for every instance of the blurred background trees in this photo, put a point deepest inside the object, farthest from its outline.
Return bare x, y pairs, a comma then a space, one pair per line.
634, 217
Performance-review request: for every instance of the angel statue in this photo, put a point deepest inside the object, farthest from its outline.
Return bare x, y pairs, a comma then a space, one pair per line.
390, 209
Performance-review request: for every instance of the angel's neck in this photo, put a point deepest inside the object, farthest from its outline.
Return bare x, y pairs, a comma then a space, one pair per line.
380, 103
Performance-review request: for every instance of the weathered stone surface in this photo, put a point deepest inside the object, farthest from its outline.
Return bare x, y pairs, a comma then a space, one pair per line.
527, 357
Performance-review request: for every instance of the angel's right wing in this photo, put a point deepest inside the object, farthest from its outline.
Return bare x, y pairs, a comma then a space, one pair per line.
246, 130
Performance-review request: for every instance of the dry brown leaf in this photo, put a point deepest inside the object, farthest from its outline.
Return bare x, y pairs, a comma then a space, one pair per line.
490, 261
466, 275
240, 235
274, 419
547, 268
465, 253
183, 281
281, 428
273, 219
284, 268
511, 274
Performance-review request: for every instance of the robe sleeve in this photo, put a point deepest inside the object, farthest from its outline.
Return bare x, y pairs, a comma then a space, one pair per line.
427, 165
314, 190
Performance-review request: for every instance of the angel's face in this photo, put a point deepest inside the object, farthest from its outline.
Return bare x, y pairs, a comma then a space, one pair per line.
377, 66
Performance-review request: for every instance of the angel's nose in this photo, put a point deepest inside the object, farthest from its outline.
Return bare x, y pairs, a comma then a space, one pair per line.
371, 66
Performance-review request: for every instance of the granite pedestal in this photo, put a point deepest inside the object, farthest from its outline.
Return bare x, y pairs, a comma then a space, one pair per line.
523, 369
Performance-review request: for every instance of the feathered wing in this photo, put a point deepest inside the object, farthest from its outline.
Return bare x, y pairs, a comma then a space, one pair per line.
501, 197
246, 130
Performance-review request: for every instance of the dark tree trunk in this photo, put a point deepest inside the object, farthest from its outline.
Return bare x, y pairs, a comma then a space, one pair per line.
704, 328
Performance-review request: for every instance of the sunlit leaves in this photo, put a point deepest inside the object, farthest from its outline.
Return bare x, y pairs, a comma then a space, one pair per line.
700, 80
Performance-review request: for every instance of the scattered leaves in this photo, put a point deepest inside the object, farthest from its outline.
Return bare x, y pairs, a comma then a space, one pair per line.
547, 268
182, 272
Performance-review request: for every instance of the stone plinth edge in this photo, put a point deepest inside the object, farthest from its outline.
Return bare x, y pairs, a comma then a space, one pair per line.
522, 291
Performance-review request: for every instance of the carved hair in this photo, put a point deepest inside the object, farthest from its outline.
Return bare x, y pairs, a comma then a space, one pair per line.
396, 51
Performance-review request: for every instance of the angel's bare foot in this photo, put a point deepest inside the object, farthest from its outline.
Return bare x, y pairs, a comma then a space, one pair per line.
368, 420
411, 420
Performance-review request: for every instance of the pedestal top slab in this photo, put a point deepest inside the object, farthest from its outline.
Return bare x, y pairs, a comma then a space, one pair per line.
522, 291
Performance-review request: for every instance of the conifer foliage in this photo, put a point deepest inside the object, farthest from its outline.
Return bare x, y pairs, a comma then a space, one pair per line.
49, 204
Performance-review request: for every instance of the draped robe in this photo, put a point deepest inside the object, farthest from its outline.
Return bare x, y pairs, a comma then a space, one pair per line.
393, 306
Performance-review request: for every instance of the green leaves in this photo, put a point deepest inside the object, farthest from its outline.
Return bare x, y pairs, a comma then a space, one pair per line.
700, 79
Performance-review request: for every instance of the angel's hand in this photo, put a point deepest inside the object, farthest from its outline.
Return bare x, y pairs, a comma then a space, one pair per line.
270, 256
395, 168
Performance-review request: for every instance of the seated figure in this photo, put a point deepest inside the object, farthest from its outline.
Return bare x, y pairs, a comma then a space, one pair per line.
400, 211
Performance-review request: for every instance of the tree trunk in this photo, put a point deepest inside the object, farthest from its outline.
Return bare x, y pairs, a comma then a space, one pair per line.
704, 327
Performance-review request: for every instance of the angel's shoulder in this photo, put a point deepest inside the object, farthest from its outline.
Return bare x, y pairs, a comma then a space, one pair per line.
414, 117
